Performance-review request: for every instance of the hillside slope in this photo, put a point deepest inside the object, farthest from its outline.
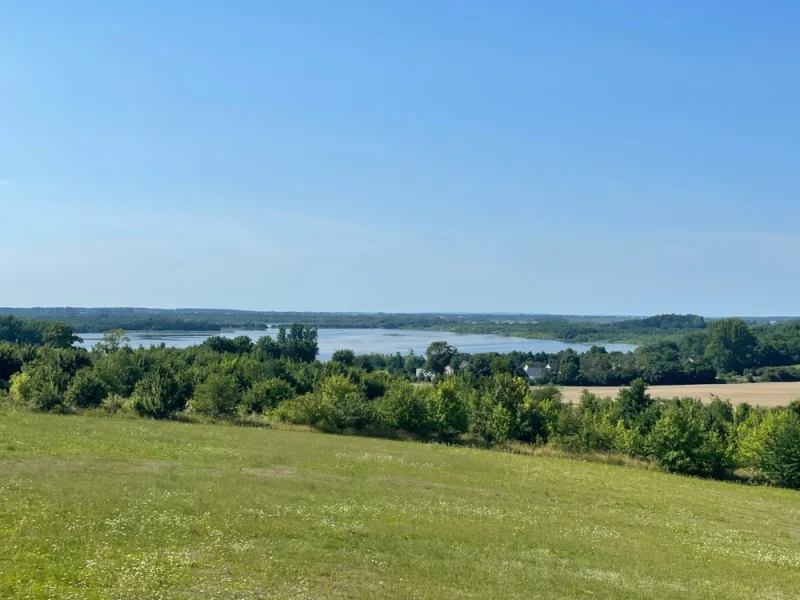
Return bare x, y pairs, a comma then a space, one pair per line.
102, 508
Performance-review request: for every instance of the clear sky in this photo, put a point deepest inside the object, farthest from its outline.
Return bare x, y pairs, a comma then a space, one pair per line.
621, 157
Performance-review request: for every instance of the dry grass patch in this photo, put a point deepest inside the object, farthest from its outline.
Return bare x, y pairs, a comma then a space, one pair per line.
766, 394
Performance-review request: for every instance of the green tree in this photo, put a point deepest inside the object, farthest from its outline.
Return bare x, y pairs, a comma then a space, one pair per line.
731, 345
298, 342
85, 390
217, 396
779, 459
348, 407
501, 425
47, 384
439, 354
119, 370
448, 412
10, 361
345, 357
157, 395
405, 407
569, 371
539, 413
633, 401
59, 335
682, 442
112, 341
267, 394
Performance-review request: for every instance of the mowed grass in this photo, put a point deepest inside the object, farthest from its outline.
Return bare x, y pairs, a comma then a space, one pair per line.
105, 508
766, 394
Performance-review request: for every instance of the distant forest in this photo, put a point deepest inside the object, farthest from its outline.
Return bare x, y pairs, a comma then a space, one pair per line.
584, 329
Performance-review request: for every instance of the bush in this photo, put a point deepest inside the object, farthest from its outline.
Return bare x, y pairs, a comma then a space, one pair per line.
375, 384
447, 410
46, 385
217, 396
587, 427
538, 414
338, 404
501, 425
85, 390
633, 401
779, 460
20, 391
266, 394
346, 357
157, 395
682, 442
405, 407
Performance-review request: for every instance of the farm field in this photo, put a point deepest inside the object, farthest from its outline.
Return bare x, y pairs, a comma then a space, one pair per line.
104, 508
757, 394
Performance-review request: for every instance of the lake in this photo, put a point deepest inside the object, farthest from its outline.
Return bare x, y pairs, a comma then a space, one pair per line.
363, 341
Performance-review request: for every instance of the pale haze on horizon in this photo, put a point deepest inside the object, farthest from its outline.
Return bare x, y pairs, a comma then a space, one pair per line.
573, 157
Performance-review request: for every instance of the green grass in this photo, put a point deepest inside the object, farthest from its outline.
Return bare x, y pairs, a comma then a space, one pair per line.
105, 508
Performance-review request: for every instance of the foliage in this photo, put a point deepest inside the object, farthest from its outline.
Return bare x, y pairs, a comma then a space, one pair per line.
217, 396
779, 460
157, 395
487, 396
405, 407
633, 401
439, 354
682, 442
85, 390
731, 345
346, 357
47, 383
447, 411
266, 394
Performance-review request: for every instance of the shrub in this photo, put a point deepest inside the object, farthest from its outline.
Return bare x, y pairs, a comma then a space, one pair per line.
217, 396
47, 385
447, 410
405, 407
538, 414
85, 390
346, 357
338, 404
501, 425
21, 388
633, 401
779, 460
157, 395
349, 408
266, 394
682, 442
375, 384
114, 404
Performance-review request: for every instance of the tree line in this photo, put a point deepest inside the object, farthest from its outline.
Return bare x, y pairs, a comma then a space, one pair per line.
575, 329
485, 400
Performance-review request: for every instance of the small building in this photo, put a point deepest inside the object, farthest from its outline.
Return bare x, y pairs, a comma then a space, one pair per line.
424, 375
534, 373
449, 370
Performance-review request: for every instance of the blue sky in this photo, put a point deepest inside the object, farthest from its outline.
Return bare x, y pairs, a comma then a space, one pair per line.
565, 157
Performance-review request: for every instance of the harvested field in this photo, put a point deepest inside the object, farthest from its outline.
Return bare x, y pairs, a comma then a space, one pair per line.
757, 394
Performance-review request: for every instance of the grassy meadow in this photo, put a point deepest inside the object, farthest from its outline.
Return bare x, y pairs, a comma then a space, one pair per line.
121, 509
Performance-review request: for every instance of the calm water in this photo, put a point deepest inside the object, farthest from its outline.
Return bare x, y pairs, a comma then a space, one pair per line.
386, 341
